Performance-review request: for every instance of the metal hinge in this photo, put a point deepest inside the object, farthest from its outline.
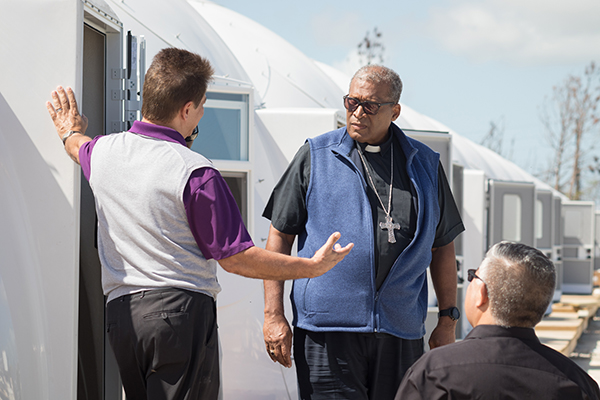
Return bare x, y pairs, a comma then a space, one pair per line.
132, 77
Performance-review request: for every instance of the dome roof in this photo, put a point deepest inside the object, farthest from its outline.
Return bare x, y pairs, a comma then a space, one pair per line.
282, 75
176, 24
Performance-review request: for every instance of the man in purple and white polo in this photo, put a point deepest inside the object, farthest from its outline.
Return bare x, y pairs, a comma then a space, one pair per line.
165, 217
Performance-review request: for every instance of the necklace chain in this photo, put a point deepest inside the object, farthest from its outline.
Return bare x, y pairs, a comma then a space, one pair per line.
387, 212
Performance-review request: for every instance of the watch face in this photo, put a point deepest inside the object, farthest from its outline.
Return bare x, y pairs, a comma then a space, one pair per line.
454, 313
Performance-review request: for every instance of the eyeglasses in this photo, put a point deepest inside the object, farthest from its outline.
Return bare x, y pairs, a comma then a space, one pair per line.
369, 107
193, 136
471, 275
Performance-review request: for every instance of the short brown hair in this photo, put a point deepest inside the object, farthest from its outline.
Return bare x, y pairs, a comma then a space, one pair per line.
175, 77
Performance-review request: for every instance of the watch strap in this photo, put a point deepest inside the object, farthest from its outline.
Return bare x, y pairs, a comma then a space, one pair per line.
68, 135
452, 312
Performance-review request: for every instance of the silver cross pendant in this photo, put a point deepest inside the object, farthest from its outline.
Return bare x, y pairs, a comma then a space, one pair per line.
390, 226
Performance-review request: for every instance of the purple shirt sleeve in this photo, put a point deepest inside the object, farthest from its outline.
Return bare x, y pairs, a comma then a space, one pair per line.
213, 215
85, 156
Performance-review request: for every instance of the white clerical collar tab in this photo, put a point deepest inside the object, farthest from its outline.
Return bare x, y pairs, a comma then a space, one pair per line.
372, 149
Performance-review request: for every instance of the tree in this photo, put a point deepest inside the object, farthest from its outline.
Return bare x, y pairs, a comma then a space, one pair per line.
371, 48
570, 116
494, 139
556, 118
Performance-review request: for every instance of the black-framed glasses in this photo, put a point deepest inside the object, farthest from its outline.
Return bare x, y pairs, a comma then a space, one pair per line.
193, 136
471, 275
369, 107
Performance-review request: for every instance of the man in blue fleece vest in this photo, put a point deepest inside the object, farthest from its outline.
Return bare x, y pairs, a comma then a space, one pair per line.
359, 327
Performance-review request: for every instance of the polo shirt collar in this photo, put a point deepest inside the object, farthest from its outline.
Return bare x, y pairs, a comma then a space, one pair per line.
157, 132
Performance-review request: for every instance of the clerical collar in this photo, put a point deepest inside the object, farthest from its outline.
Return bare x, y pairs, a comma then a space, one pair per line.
381, 148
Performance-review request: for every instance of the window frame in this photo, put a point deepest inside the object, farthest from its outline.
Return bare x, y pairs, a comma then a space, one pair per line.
238, 168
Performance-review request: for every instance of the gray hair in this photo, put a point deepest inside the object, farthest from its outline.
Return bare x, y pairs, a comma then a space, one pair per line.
378, 74
520, 282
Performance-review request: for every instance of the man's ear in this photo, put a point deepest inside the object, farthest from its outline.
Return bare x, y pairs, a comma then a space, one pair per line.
482, 300
396, 108
185, 110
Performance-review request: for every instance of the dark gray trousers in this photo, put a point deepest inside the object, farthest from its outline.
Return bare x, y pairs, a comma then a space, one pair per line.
354, 366
165, 342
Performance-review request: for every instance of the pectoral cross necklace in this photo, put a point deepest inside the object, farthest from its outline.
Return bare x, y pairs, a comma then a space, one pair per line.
389, 223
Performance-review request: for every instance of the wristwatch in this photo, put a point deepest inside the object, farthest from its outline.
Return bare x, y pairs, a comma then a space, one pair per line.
68, 135
451, 312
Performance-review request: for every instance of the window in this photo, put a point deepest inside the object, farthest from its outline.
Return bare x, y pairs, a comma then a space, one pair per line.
223, 130
511, 218
539, 219
573, 224
224, 137
238, 187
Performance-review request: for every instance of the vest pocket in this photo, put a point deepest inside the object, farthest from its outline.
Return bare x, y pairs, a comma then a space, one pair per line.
328, 306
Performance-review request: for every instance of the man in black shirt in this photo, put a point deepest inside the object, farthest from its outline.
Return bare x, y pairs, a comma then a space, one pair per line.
502, 358
357, 330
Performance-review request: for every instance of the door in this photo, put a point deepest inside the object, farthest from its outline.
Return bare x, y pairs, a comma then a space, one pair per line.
578, 243
557, 244
544, 221
511, 212
440, 142
104, 95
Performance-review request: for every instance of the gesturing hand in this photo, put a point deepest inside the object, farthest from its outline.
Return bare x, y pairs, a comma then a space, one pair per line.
330, 253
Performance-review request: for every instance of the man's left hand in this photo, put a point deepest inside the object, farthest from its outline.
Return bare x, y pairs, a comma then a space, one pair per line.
64, 112
444, 333
66, 117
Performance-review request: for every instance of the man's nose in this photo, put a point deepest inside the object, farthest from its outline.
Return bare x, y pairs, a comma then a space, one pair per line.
359, 112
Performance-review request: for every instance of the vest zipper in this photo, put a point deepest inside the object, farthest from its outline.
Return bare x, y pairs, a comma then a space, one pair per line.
376, 313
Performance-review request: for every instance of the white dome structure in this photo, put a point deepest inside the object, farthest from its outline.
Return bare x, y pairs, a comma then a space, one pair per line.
178, 25
282, 75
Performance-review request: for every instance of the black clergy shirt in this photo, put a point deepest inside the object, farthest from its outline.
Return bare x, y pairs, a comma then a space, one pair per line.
287, 211
493, 362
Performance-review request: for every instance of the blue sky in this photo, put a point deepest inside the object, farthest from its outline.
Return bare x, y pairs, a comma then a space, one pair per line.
463, 62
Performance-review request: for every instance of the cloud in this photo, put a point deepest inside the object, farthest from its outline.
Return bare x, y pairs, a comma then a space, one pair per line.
526, 32
350, 64
331, 28
339, 34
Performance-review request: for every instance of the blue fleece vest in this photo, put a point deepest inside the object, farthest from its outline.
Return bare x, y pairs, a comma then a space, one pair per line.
345, 298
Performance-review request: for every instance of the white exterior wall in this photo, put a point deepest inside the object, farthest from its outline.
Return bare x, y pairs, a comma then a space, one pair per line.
39, 200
